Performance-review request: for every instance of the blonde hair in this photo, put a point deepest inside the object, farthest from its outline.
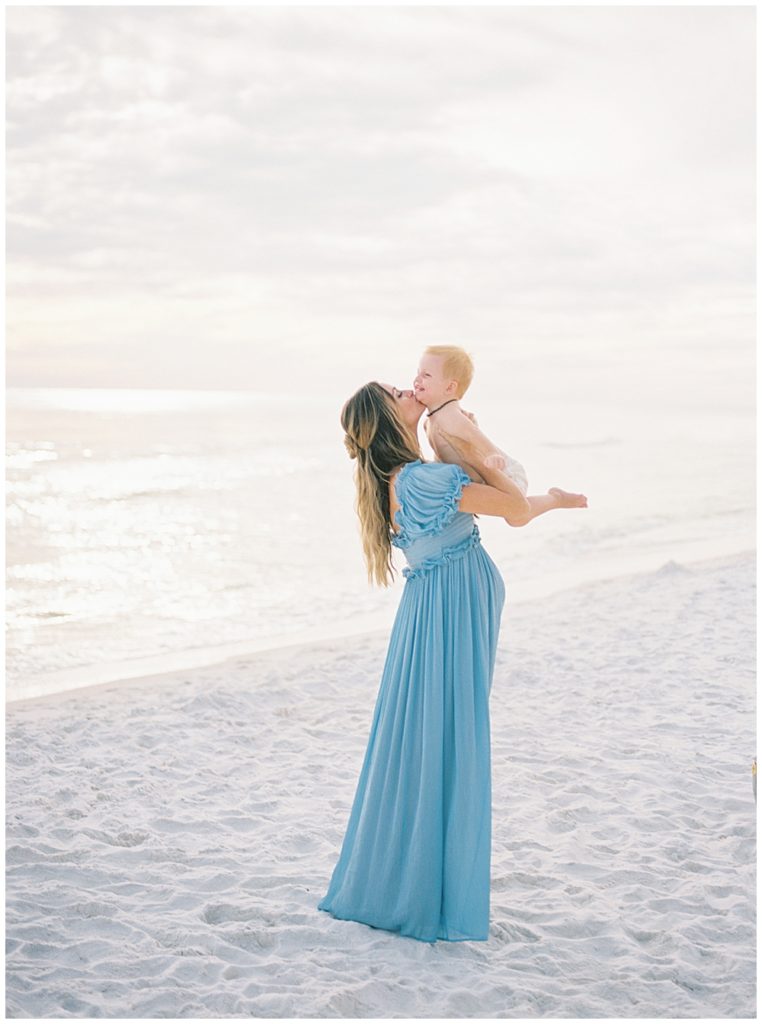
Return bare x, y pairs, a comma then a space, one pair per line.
457, 365
380, 441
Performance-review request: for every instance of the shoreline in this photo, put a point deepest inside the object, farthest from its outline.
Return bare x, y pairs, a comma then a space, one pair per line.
150, 669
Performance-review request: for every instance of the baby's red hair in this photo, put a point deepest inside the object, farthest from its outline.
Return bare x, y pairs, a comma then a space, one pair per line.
457, 365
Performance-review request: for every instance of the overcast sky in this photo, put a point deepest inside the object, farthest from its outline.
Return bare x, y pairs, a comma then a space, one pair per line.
213, 197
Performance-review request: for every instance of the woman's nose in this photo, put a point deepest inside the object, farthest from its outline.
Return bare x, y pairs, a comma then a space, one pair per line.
408, 393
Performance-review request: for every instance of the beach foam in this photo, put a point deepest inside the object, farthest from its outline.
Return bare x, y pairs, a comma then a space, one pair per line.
168, 841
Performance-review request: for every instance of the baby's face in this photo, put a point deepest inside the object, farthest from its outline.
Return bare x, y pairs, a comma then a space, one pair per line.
431, 386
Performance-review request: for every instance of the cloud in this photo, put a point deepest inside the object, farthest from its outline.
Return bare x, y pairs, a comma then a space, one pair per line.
198, 176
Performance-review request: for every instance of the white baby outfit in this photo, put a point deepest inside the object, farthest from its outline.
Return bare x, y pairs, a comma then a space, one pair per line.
515, 471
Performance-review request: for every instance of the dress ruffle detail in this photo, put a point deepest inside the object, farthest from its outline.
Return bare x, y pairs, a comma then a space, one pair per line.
426, 509
444, 556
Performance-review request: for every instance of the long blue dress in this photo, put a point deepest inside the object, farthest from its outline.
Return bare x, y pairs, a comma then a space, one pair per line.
416, 853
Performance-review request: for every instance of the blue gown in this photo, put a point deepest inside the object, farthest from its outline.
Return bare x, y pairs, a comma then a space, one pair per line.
416, 853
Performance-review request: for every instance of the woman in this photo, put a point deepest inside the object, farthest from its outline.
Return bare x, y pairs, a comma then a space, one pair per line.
416, 853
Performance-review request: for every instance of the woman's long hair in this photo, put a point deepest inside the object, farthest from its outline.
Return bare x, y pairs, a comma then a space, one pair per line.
376, 436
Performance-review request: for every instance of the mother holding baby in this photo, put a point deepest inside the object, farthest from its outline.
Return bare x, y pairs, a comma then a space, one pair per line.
416, 853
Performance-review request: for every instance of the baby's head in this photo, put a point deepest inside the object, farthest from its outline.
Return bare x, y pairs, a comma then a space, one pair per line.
444, 372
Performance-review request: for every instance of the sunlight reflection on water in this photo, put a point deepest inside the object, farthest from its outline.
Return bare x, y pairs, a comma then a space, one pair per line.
162, 521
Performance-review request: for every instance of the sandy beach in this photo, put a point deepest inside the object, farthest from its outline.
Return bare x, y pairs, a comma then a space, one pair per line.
169, 839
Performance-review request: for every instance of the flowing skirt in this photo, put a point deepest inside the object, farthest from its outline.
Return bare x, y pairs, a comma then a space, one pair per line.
416, 852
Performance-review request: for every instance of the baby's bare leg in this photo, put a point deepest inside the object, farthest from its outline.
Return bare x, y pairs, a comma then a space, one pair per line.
555, 498
482, 468
538, 503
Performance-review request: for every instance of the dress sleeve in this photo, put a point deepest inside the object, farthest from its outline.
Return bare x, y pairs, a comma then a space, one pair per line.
428, 494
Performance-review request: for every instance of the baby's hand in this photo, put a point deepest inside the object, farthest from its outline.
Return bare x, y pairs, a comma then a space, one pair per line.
470, 416
494, 461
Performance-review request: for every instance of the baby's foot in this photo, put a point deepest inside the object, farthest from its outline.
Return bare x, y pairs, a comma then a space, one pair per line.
567, 499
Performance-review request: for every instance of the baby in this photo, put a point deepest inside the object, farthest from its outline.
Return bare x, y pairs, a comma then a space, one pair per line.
443, 377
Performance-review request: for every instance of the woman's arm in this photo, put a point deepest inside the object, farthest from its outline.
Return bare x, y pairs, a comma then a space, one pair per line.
520, 512
489, 501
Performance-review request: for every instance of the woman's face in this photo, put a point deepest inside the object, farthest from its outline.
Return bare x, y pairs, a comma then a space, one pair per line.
408, 406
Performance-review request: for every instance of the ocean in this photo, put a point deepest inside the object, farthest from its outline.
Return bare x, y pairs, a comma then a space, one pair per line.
149, 530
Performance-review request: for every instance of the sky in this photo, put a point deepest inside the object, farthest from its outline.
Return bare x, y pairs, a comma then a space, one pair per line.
206, 197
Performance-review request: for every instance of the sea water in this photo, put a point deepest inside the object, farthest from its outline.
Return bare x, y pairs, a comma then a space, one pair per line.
149, 530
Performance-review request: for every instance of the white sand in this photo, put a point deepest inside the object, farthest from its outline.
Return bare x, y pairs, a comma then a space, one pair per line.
169, 839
